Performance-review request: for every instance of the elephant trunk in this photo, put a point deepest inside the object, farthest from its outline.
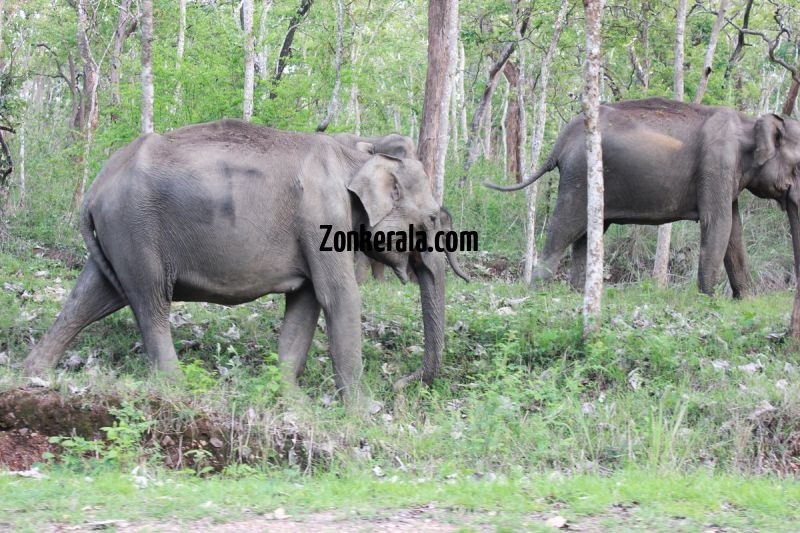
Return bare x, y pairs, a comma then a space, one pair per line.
430, 274
793, 210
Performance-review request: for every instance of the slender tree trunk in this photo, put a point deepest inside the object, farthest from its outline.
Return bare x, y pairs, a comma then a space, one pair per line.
480, 117
504, 127
89, 110
21, 202
594, 159
146, 29
661, 263
332, 105
511, 121
121, 32
462, 99
442, 21
538, 136
261, 46
712, 46
286, 48
249, 60
791, 97
179, 56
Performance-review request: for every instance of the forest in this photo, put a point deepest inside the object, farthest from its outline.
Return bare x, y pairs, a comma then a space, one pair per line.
620, 352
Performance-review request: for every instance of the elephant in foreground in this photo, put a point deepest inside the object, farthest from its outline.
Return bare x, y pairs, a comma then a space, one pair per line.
664, 161
392, 144
228, 211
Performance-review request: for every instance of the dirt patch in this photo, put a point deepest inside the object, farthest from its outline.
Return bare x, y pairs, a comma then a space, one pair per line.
21, 448
185, 436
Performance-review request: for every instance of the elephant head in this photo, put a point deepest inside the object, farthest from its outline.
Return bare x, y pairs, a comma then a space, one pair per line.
395, 193
776, 170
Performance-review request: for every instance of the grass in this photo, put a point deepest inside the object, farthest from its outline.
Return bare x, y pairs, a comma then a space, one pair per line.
615, 502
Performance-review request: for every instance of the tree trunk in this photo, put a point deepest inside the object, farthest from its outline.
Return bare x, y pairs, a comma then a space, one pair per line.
249, 62
594, 159
512, 123
538, 136
146, 30
286, 48
89, 110
661, 263
121, 32
479, 117
462, 99
504, 128
791, 98
323, 125
444, 107
442, 18
261, 47
178, 103
712, 46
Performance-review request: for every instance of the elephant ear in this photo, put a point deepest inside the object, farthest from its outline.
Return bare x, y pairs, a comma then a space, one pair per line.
769, 131
376, 186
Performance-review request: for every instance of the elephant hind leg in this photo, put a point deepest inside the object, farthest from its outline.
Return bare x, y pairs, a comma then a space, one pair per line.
92, 298
565, 229
149, 287
577, 273
736, 258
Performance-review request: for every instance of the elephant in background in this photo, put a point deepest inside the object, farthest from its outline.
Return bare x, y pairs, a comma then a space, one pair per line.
664, 161
392, 144
228, 211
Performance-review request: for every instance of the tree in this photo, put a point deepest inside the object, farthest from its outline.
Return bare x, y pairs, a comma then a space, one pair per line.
286, 48
261, 49
122, 31
661, 263
594, 165
712, 46
249, 64
432, 146
334, 102
89, 109
538, 136
179, 49
479, 117
147, 66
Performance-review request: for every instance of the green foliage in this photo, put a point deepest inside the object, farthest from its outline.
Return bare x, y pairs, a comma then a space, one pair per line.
121, 448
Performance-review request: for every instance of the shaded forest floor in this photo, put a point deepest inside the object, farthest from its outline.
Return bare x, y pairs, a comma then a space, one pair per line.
683, 413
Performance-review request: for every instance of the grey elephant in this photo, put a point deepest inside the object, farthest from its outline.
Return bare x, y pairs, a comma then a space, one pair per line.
228, 211
664, 161
392, 144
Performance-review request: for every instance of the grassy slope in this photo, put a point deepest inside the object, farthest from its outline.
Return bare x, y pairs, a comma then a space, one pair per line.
667, 406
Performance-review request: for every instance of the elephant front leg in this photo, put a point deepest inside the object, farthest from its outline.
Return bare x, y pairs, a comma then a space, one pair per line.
299, 323
715, 231
341, 303
736, 257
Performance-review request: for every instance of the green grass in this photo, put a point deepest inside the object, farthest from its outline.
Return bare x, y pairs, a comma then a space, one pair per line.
693, 502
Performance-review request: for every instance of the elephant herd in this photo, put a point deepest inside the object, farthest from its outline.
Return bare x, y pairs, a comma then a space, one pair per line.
229, 211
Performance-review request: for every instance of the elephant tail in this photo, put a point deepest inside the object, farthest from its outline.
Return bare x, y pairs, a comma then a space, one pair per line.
95, 251
550, 164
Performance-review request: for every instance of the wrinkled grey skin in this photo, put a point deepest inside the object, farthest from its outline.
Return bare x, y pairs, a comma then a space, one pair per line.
665, 161
228, 211
392, 144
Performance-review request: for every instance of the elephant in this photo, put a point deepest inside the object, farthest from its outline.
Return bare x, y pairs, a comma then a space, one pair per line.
665, 160
392, 144
228, 211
